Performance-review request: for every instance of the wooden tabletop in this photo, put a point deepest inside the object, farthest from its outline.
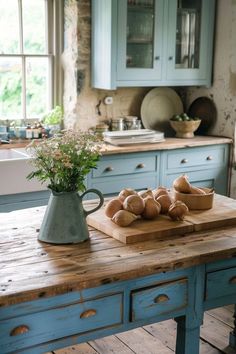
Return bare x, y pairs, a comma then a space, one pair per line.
30, 269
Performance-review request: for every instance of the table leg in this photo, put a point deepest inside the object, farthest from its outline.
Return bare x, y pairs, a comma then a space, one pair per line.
232, 336
188, 337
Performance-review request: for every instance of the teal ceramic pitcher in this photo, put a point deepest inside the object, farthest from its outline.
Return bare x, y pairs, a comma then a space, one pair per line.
65, 218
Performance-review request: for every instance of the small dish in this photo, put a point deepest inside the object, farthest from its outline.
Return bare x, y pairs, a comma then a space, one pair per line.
196, 201
185, 129
205, 109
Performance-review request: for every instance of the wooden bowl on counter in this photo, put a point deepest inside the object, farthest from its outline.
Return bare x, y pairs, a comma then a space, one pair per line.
196, 201
185, 129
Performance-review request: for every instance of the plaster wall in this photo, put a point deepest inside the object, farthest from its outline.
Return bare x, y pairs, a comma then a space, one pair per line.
223, 90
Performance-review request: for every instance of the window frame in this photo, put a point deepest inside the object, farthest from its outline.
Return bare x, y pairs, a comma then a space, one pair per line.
54, 45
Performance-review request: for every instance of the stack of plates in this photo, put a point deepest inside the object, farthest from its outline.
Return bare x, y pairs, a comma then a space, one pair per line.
130, 137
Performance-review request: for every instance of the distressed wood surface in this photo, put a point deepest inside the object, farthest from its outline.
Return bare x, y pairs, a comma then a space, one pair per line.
30, 269
163, 226
168, 144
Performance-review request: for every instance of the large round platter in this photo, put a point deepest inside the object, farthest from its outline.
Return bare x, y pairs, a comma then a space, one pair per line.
158, 106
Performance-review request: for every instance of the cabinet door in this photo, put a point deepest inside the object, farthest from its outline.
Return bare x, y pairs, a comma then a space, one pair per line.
140, 38
190, 41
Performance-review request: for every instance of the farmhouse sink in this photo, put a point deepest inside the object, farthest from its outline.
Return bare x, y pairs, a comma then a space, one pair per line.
13, 154
14, 168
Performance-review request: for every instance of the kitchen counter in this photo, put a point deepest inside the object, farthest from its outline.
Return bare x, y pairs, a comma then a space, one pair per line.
102, 286
168, 144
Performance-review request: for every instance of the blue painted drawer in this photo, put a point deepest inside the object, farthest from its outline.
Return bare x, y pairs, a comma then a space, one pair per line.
60, 322
109, 186
221, 283
185, 158
125, 165
159, 300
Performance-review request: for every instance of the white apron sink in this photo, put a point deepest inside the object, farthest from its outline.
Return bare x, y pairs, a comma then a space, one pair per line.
14, 168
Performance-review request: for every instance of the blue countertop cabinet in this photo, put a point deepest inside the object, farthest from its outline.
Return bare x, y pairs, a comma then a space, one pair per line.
206, 166
152, 43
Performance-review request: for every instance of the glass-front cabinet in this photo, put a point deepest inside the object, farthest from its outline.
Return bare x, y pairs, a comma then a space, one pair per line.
139, 39
190, 40
152, 42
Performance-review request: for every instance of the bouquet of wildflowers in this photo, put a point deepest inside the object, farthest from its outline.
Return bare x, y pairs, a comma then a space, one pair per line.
64, 160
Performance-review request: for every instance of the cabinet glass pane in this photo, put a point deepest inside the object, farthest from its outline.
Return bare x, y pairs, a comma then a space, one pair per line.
140, 33
188, 34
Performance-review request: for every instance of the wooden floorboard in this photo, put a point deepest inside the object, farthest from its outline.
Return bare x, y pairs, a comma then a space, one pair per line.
159, 338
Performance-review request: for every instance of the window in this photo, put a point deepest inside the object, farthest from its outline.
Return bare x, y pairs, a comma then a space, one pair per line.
30, 45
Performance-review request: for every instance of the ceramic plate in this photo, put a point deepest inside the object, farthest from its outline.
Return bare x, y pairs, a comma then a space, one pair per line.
158, 106
205, 109
128, 133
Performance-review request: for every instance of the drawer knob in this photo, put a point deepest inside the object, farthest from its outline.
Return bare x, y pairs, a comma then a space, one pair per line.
109, 169
88, 313
184, 161
232, 280
140, 165
209, 158
161, 298
170, 58
19, 330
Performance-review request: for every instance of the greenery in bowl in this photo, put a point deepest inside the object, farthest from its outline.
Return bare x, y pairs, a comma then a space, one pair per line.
64, 160
183, 118
184, 126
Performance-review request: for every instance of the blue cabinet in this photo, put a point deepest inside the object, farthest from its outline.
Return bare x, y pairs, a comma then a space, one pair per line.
206, 166
152, 43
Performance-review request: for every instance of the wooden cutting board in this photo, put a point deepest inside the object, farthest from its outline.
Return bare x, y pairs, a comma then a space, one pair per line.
223, 213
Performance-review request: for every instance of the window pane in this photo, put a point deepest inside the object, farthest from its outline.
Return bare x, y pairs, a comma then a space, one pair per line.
37, 86
10, 88
34, 20
9, 27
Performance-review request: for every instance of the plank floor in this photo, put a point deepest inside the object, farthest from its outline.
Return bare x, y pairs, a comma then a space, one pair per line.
159, 338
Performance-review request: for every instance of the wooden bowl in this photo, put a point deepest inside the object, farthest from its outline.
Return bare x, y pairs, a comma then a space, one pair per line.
196, 201
186, 128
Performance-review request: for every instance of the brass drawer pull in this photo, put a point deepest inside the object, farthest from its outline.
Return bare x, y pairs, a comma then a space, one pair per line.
161, 298
232, 280
19, 330
88, 313
140, 165
209, 158
109, 169
184, 161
